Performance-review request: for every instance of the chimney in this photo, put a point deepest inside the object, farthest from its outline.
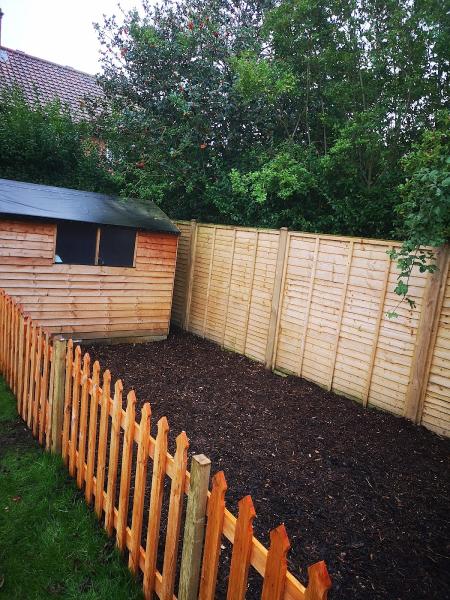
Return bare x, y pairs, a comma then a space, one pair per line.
1, 17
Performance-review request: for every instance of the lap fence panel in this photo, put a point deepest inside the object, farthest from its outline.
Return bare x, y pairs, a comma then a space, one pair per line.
321, 310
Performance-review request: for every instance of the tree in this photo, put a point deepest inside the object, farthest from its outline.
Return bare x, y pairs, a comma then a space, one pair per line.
362, 96
424, 208
43, 144
172, 122
294, 113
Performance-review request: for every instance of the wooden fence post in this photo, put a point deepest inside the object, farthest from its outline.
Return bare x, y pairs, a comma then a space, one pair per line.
194, 528
276, 297
421, 362
190, 274
59, 359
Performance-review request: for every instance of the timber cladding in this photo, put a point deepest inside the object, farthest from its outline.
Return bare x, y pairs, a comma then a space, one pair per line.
316, 306
88, 300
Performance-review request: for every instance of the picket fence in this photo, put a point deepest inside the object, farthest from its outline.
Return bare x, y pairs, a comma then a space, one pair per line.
60, 398
317, 306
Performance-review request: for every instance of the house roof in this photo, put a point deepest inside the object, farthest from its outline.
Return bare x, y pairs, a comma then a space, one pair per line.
44, 80
20, 199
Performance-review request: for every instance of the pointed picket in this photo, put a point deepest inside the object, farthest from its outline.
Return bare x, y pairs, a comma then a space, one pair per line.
276, 566
154, 511
139, 487
37, 383
76, 377
102, 443
213, 537
125, 473
174, 517
67, 402
92, 435
26, 369
83, 420
242, 547
114, 447
319, 582
44, 387
31, 376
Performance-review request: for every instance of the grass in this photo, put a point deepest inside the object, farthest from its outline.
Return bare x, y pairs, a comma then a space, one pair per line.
51, 545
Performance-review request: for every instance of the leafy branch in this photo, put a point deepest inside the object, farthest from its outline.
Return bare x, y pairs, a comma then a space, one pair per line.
407, 259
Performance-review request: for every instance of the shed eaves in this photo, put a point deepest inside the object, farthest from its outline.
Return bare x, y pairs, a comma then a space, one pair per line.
20, 199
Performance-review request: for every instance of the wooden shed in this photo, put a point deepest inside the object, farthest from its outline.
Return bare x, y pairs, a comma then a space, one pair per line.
87, 265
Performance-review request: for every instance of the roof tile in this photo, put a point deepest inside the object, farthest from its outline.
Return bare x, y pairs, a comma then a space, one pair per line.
42, 80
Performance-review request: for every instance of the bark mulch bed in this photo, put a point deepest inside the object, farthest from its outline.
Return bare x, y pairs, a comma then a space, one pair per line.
364, 490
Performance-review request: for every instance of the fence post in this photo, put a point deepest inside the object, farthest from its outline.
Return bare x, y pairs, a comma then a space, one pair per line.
429, 317
190, 274
59, 359
276, 297
194, 528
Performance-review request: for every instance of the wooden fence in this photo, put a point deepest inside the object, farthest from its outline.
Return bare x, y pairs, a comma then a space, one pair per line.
60, 398
316, 306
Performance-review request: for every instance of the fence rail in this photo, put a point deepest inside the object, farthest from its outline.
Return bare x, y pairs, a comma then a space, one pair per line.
316, 306
59, 396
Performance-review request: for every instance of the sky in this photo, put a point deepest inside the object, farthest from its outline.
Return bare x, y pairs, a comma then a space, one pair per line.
58, 30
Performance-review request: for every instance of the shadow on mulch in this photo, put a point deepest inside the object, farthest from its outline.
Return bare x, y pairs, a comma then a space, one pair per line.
364, 490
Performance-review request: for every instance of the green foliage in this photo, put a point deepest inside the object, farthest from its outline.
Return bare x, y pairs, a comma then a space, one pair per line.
284, 191
425, 196
43, 144
257, 78
290, 113
425, 203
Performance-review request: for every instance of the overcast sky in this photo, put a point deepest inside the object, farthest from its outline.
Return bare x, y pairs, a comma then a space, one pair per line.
58, 30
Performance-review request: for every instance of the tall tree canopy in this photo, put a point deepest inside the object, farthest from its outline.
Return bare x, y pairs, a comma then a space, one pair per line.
295, 112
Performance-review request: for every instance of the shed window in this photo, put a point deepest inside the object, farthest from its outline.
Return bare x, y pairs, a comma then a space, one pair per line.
116, 247
76, 243
88, 244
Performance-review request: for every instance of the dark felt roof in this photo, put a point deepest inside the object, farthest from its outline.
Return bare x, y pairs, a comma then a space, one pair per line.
20, 199
45, 80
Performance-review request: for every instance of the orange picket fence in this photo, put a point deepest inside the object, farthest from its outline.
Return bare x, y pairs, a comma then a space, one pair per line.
60, 398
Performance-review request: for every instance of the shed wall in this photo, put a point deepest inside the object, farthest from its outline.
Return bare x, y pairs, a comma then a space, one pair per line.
91, 301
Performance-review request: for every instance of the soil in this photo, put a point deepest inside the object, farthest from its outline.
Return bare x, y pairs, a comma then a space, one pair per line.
15, 435
364, 490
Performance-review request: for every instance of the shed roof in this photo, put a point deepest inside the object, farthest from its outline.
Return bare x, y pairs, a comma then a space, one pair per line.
43, 80
20, 199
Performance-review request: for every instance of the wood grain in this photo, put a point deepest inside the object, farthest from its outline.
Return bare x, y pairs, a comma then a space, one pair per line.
28, 273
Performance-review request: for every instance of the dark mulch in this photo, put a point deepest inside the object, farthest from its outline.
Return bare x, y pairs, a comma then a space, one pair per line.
364, 490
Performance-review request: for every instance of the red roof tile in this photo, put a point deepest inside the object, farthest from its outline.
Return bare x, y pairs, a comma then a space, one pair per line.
45, 80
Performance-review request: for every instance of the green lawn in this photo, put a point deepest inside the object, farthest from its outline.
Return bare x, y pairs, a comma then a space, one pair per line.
51, 545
